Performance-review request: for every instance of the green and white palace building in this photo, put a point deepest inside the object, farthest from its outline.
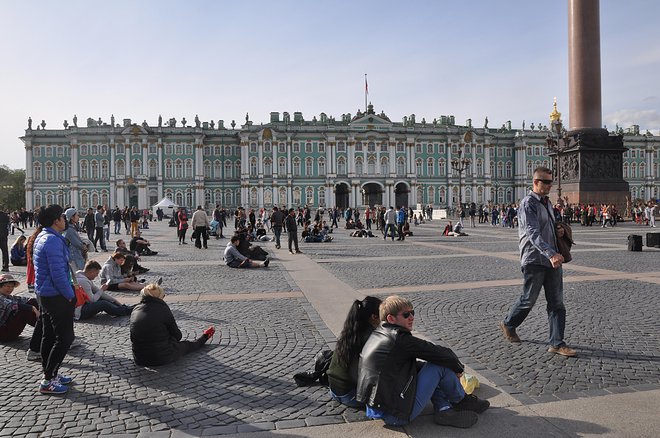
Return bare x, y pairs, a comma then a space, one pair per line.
323, 162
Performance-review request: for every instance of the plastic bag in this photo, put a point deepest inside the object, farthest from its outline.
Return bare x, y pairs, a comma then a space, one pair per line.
469, 383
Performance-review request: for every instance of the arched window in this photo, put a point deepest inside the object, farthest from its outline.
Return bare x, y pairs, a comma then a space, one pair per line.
217, 169
60, 171
321, 196
168, 194
228, 150
253, 197
94, 174
268, 166
281, 148
529, 169
492, 169
296, 196
237, 171
480, 194
281, 167
168, 169
418, 166
308, 148
84, 199
228, 172
309, 196
626, 171
36, 170
105, 169
136, 149
642, 170
321, 166
633, 172
509, 169
229, 197
104, 197
178, 198
49, 171
430, 170
189, 197
83, 150
189, 168
137, 167
500, 168
384, 166
468, 194
121, 168
253, 167
480, 168
431, 199
153, 168
400, 166
267, 146
37, 199
95, 149
84, 169
296, 166
358, 166
341, 166
253, 148
178, 169
268, 197
94, 199
207, 170
309, 166
442, 195
371, 166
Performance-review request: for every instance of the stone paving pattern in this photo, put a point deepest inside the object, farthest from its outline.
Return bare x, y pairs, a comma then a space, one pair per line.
242, 381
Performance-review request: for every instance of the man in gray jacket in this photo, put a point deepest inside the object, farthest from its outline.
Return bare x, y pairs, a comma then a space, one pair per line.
541, 265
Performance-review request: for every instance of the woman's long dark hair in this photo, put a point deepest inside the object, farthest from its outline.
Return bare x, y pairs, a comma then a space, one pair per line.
349, 343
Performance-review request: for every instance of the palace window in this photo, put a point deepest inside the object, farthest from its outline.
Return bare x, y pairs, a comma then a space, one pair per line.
217, 169
281, 148
418, 148
36, 170
383, 146
626, 171
418, 167
296, 196
152, 149
137, 167
60, 171
384, 166
268, 167
322, 148
253, 167
429, 148
296, 148
189, 169
253, 196
358, 146
371, 147
296, 166
430, 167
267, 147
358, 166
371, 166
207, 169
168, 169
168, 149
509, 169
84, 169
341, 166
309, 166
268, 197
228, 172
308, 148
179, 150
253, 148
189, 150
83, 150
309, 195
321, 166
178, 169
153, 169
400, 166
399, 147
480, 168
228, 151
121, 168
281, 167
341, 147
442, 170
95, 170
321, 196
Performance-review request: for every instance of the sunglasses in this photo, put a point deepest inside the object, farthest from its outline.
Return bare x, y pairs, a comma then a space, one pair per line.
407, 315
544, 181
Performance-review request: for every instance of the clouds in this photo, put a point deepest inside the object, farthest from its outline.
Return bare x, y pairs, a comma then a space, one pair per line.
646, 119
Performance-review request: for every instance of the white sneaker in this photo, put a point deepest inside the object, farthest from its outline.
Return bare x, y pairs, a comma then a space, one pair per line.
75, 344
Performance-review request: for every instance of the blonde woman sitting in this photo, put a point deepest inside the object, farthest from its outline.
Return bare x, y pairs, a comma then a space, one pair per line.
155, 336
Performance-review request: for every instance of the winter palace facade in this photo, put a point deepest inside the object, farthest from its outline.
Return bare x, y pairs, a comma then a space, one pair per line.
357, 160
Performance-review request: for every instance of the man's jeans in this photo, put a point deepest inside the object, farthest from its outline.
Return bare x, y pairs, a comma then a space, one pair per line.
389, 227
551, 279
90, 309
436, 383
277, 231
117, 227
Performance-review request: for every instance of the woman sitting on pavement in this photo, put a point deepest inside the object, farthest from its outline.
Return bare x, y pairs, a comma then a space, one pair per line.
99, 300
155, 336
15, 311
18, 255
343, 372
234, 259
112, 276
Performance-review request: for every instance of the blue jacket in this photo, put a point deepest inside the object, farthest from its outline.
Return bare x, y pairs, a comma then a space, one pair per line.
401, 217
536, 231
51, 265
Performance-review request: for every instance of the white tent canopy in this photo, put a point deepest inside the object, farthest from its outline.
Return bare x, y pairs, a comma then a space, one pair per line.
166, 205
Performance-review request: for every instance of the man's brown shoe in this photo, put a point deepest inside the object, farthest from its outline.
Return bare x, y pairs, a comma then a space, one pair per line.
509, 333
563, 350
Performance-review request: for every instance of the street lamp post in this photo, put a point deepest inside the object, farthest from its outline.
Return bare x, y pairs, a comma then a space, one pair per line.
459, 165
557, 142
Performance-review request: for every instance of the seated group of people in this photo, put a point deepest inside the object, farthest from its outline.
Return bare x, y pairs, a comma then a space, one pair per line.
455, 230
316, 232
375, 367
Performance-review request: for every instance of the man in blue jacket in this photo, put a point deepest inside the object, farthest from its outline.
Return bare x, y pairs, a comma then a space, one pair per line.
400, 222
55, 291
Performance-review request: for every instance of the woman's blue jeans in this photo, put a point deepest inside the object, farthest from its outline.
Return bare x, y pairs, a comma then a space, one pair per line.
347, 399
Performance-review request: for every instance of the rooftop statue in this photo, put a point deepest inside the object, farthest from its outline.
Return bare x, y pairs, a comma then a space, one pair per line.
112, 120
66, 124
196, 121
247, 118
212, 124
75, 121
486, 123
43, 124
29, 122
145, 124
183, 122
160, 121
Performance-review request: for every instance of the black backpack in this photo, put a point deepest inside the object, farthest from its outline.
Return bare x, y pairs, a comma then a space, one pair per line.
320, 373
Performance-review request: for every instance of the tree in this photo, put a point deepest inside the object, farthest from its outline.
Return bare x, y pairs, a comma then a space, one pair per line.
12, 188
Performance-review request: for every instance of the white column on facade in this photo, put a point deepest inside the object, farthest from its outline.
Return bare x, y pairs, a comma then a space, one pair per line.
145, 157
289, 196
260, 196
413, 167
275, 165
351, 197
351, 157
112, 173
392, 151
260, 159
392, 195
29, 192
74, 198
159, 169
128, 149
289, 164
487, 152
386, 195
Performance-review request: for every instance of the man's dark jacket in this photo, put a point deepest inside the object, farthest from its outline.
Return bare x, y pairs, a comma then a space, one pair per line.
387, 379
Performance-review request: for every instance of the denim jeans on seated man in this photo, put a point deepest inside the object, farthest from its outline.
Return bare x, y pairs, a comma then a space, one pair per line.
347, 399
551, 279
91, 309
436, 383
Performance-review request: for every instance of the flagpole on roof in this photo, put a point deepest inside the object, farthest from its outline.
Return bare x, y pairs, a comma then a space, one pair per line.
366, 92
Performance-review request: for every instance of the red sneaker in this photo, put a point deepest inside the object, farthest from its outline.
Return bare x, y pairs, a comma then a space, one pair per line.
209, 332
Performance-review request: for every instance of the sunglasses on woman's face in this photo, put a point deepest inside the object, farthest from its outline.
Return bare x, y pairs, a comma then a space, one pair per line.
407, 314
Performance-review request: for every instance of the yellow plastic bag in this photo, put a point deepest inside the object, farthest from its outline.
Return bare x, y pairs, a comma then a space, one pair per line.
469, 383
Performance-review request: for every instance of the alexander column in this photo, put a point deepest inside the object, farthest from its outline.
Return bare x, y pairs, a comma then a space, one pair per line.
591, 164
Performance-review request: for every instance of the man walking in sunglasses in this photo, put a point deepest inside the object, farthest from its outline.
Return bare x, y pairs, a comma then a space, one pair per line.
541, 265
392, 386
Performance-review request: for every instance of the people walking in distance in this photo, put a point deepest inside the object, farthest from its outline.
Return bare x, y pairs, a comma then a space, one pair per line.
390, 223
99, 239
200, 224
541, 265
292, 230
277, 221
182, 221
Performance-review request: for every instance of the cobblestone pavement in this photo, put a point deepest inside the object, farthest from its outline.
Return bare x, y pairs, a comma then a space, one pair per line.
267, 331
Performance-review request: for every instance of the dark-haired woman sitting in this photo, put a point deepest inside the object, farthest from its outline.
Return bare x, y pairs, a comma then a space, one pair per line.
343, 372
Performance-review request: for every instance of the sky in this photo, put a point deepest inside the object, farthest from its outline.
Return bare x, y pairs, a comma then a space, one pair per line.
505, 60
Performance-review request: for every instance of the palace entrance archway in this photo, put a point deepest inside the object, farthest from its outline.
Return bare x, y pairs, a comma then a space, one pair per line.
401, 192
372, 194
342, 195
